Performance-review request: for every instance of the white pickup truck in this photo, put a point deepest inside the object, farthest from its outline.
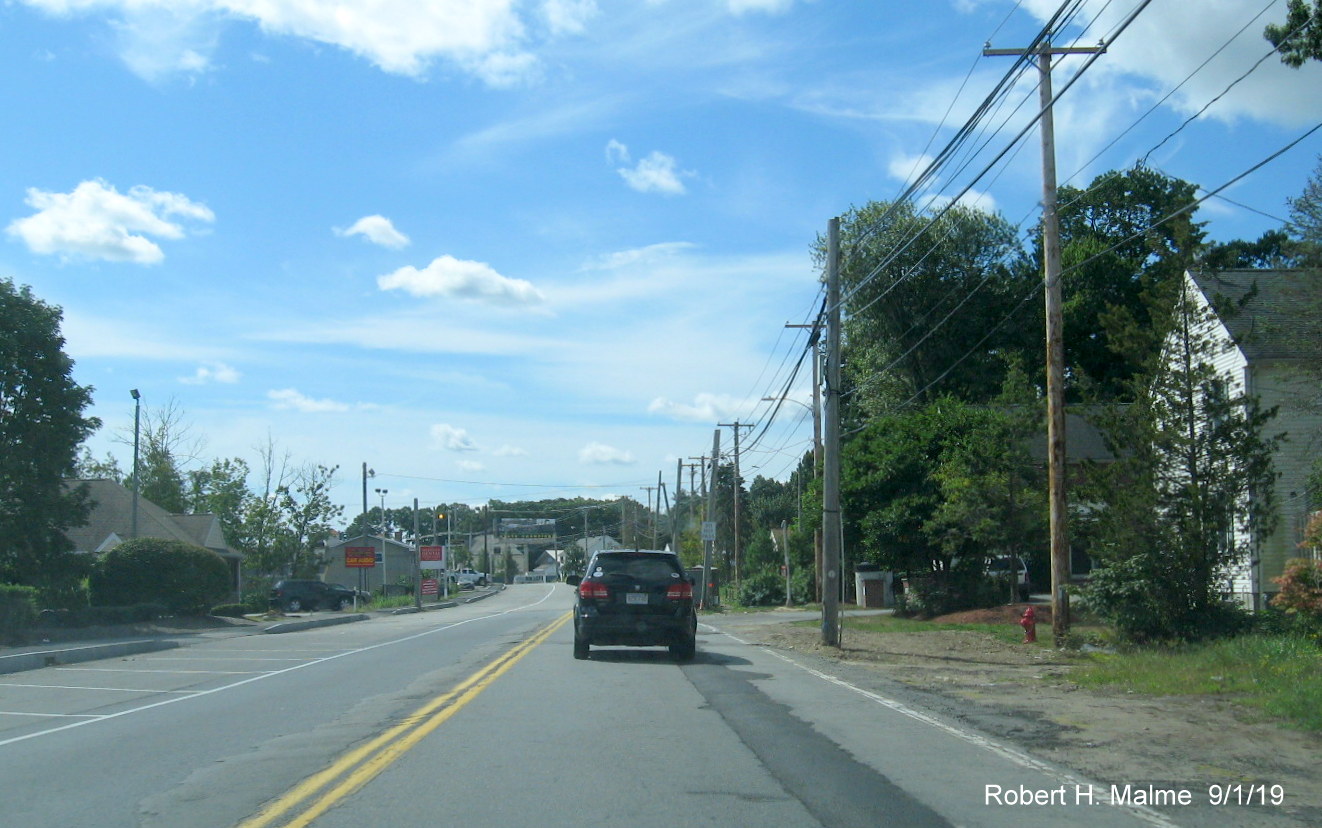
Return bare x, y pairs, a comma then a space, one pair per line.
469, 577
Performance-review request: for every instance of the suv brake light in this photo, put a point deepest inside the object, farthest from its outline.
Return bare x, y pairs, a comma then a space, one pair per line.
681, 591
593, 589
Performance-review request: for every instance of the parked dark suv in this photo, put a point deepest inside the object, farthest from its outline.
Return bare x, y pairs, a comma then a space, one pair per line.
293, 595
635, 598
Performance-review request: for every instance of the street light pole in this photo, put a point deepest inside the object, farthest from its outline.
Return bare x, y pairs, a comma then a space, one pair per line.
385, 593
137, 410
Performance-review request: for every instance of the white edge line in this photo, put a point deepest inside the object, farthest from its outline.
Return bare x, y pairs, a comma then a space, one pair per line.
1004, 751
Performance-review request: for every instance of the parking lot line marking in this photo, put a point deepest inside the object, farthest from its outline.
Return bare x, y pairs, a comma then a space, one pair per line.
81, 687
51, 715
63, 669
335, 655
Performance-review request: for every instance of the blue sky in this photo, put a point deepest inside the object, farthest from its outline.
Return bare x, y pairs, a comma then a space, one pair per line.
519, 249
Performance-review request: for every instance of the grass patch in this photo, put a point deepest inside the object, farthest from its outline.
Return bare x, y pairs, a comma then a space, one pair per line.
1281, 675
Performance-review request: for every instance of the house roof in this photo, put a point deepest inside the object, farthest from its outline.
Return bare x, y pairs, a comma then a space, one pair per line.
1270, 313
111, 518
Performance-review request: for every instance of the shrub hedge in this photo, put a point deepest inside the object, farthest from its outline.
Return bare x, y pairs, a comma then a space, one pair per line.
185, 579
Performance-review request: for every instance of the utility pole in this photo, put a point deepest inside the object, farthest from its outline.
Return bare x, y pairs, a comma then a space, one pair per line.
417, 560
1056, 458
831, 535
736, 425
709, 540
650, 489
701, 465
814, 340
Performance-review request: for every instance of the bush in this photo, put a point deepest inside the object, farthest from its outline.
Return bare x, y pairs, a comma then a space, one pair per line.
185, 579
1301, 588
18, 609
230, 610
1146, 606
765, 589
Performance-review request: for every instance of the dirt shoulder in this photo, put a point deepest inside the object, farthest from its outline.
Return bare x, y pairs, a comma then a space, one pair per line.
1023, 694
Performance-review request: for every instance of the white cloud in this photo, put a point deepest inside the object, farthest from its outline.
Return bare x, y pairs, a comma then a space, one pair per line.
448, 276
96, 221
471, 466
212, 372
597, 454
657, 173
286, 399
651, 254
510, 451
378, 230
705, 408
766, 6
905, 167
403, 37
568, 16
450, 438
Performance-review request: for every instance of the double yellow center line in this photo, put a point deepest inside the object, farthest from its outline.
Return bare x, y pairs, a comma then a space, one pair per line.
322, 791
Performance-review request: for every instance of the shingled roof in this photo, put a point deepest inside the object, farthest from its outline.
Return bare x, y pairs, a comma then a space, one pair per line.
111, 519
1272, 314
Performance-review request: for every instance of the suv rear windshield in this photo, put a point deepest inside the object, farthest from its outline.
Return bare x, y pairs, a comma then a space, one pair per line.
641, 567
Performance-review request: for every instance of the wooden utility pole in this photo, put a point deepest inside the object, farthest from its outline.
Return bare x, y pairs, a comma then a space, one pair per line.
709, 538
1056, 456
814, 343
736, 425
831, 448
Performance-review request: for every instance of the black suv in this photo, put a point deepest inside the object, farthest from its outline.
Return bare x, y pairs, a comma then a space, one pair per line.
296, 596
635, 598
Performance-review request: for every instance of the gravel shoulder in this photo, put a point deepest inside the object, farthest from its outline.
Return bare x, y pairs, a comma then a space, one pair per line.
1023, 694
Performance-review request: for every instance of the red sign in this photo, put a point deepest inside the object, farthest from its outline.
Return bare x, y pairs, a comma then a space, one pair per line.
431, 553
360, 556
430, 586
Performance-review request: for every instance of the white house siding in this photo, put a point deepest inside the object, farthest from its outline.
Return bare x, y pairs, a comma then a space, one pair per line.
1276, 382
1232, 366
1283, 385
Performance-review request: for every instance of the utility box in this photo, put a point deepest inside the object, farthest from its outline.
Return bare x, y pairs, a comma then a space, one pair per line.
874, 588
705, 593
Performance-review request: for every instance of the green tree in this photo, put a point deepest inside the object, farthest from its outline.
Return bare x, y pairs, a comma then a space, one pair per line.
923, 295
1123, 258
308, 514
90, 468
1191, 486
1299, 38
165, 445
41, 427
221, 489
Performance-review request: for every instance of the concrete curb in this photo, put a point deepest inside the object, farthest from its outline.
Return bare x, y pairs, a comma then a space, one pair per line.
295, 626
36, 659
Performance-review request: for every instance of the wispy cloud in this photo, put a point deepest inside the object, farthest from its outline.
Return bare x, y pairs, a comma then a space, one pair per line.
598, 454
96, 221
289, 399
705, 408
656, 173
450, 438
378, 230
212, 372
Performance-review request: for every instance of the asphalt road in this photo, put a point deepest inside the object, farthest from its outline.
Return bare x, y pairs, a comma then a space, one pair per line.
479, 716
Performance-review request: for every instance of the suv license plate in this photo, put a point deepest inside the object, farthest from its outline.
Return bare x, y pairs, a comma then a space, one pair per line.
635, 598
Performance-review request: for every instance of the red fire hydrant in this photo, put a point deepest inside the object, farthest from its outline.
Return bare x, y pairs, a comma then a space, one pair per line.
1029, 622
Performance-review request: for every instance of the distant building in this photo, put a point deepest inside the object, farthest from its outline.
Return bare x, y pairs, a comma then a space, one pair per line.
110, 523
